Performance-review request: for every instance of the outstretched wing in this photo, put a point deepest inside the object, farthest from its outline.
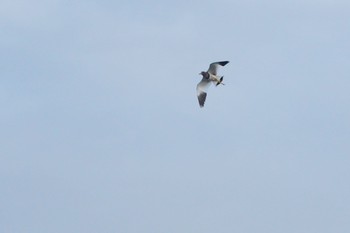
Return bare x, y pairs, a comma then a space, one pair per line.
202, 88
214, 66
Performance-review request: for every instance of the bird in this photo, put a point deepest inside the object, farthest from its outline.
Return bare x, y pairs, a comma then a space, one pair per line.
209, 77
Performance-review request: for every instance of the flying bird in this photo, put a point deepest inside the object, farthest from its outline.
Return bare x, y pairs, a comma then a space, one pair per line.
209, 77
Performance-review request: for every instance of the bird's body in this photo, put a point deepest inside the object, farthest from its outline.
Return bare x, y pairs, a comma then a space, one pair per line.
209, 77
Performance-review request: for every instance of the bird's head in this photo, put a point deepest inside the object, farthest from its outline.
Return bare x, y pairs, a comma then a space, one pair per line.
204, 74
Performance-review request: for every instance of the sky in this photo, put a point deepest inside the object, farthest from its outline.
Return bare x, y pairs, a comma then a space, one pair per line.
101, 130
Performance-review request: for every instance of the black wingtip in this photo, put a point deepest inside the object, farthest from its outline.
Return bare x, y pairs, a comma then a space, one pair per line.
201, 99
223, 63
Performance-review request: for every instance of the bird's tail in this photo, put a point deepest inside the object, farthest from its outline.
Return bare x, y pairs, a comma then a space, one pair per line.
220, 81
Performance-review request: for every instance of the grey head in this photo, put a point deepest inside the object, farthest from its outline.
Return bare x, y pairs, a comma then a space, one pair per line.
204, 74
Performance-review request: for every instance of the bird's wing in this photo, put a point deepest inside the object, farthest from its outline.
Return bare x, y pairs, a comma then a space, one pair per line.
214, 66
202, 88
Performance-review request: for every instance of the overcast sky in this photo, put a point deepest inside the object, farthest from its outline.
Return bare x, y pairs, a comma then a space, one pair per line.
101, 130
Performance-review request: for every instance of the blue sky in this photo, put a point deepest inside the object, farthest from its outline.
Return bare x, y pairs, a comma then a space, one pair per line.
102, 132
